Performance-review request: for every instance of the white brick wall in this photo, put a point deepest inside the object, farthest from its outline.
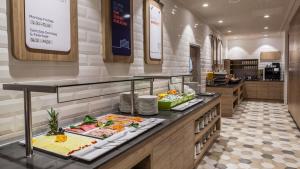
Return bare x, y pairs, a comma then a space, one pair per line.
179, 32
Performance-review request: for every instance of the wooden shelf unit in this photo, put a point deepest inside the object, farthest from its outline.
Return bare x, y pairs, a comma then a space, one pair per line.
216, 121
231, 97
199, 136
241, 67
206, 147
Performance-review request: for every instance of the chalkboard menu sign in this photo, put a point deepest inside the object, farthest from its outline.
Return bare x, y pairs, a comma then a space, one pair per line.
121, 27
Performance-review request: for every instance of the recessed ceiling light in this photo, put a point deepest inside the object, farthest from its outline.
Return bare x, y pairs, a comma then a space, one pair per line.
220, 21
266, 27
229, 31
267, 16
266, 35
205, 5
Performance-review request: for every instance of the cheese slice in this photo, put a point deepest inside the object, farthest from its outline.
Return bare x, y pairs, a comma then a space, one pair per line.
73, 143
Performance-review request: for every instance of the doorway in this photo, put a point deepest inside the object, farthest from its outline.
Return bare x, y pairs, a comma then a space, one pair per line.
194, 66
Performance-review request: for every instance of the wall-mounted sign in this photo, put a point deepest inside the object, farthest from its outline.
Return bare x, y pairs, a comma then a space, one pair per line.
153, 34
117, 31
44, 30
48, 25
121, 27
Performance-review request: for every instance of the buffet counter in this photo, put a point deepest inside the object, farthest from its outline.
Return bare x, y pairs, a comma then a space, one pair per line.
232, 95
264, 90
172, 144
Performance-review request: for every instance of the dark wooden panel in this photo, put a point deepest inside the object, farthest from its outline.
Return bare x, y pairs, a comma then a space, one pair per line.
294, 68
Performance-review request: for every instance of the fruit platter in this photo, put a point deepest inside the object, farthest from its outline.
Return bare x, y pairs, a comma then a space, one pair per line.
173, 98
92, 137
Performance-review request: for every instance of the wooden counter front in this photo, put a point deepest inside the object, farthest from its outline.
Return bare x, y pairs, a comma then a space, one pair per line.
232, 95
264, 90
172, 148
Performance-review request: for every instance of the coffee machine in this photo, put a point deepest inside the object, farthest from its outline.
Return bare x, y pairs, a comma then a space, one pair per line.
273, 72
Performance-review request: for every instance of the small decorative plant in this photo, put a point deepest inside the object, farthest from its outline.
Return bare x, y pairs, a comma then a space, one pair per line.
53, 123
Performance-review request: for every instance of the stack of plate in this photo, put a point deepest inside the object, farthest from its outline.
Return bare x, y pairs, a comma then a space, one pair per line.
125, 102
194, 86
148, 105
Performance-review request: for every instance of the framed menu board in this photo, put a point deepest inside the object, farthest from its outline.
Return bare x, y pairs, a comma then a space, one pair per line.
44, 30
153, 26
117, 31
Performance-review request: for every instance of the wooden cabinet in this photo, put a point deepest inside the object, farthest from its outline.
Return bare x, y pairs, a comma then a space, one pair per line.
294, 68
264, 90
175, 152
231, 97
250, 90
172, 147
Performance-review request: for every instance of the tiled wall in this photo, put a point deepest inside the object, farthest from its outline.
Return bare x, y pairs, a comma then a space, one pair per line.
179, 32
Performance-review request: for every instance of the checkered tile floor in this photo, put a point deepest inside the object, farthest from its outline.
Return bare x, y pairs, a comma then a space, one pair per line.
260, 135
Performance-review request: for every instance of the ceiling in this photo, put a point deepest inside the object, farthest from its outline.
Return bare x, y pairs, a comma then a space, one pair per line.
242, 17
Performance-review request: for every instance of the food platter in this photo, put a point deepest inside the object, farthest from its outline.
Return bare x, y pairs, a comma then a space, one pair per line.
116, 140
63, 149
172, 98
104, 126
93, 137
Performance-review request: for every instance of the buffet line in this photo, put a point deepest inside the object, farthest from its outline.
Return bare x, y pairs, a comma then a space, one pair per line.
95, 136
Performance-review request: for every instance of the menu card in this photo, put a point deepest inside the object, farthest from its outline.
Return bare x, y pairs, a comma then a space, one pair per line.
48, 25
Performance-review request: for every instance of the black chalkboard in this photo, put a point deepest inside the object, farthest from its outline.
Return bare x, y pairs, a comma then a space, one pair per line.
121, 27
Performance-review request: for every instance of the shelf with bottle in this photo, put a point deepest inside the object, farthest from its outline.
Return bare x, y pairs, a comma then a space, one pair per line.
205, 123
203, 146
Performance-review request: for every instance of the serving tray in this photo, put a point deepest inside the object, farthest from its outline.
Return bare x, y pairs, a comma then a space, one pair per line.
168, 105
109, 144
55, 148
187, 105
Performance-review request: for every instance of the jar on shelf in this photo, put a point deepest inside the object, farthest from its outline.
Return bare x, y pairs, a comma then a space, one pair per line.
202, 143
201, 123
198, 148
215, 112
208, 134
206, 119
197, 129
204, 139
210, 116
195, 152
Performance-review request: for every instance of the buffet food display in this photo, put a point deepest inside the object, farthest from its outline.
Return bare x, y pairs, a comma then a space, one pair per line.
93, 136
104, 126
173, 98
65, 148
